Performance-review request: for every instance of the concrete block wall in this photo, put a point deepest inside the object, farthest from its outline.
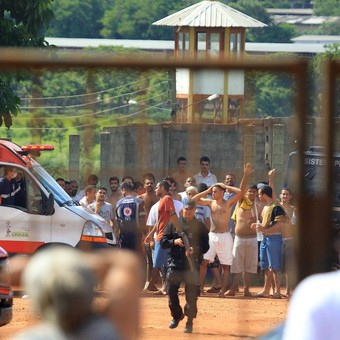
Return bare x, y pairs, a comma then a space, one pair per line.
223, 144
134, 150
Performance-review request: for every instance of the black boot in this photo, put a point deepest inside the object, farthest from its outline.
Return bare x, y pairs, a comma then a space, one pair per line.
188, 326
174, 322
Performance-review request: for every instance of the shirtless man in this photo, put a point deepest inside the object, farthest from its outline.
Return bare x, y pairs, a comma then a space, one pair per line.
286, 197
230, 180
220, 239
286, 230
245, 251
115, 192
181, 174
149, 198
288, 236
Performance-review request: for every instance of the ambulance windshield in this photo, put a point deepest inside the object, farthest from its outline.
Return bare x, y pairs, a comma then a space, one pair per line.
48, 182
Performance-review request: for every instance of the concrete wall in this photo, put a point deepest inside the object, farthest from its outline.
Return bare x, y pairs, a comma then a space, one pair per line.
137, 149
134, 150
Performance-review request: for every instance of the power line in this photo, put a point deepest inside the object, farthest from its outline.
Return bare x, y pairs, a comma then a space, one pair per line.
86, 94
89, 103
91, 113
91, 124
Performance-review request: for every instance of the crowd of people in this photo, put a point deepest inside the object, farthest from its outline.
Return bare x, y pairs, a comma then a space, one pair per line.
230, 231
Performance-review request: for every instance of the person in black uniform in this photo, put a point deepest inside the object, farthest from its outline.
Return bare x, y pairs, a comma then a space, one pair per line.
178, 265
8, 186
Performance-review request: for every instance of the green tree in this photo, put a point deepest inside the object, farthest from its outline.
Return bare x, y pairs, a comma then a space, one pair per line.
327, 7
131, 19
274, 95
328, 28
269, 94
253, 8
332, 53
21, 24
78, 18
281, 33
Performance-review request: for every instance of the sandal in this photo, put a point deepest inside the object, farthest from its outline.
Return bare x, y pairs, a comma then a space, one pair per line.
221, 295
276, 296
261, 295
229, 293
214, 290
247, 294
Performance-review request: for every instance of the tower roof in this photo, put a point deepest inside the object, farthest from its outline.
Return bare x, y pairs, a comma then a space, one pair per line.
209, 13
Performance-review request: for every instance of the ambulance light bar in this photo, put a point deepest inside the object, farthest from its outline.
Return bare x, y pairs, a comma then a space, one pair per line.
37, 147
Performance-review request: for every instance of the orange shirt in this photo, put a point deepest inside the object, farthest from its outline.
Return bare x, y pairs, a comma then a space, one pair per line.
166, 206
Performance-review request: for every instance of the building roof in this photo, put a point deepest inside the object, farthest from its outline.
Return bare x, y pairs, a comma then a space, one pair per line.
317, 39
209, 13
319, 20
299, 16
169, 45
291, 11
79, 43
297, 48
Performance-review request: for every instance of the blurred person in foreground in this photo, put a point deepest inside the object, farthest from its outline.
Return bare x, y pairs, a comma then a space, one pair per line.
314, 311
60, 282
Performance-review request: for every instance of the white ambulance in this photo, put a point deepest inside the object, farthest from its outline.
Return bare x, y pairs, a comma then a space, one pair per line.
42, 212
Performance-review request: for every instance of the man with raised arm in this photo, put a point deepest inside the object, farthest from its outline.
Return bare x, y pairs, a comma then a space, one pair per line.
245, 249
220, 239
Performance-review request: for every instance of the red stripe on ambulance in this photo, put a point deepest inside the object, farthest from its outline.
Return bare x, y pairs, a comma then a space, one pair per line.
23, 247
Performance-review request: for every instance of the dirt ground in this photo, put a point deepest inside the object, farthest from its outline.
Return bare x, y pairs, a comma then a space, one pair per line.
218, 318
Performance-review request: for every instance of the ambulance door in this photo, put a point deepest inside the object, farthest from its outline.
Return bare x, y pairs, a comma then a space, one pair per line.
26, 225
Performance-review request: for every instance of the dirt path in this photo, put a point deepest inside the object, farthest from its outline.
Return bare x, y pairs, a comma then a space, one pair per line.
229, 318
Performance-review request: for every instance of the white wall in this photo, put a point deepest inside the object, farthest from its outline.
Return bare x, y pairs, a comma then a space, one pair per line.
182, 81
236, 83
209, 82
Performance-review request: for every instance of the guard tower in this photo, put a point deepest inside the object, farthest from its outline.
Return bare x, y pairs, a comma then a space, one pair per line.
210, 30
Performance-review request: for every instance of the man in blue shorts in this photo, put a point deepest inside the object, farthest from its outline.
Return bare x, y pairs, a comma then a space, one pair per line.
273, 219
166, 213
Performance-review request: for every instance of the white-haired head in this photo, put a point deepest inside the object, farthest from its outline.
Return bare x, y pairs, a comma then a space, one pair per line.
60, 285
191, 191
